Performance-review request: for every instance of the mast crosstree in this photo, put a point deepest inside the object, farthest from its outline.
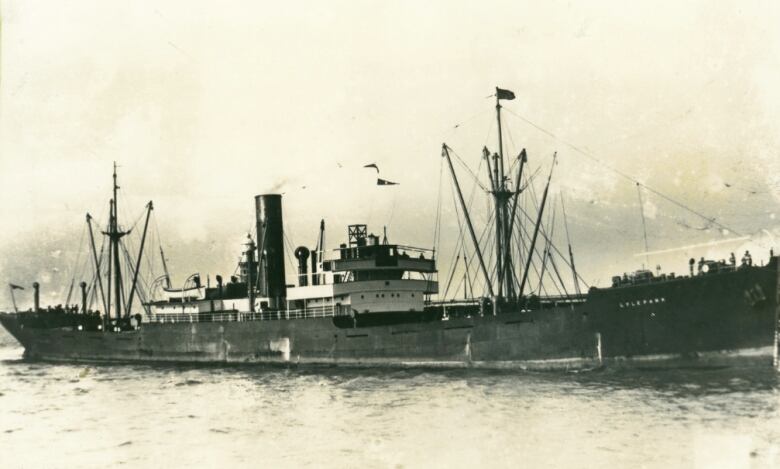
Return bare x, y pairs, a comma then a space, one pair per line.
503, 285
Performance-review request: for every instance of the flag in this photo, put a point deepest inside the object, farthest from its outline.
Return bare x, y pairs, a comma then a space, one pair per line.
15, 287
385, 182
504, 94
372, 165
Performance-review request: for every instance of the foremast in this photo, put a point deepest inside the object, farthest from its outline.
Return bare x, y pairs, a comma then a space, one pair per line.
114, 286
114, 264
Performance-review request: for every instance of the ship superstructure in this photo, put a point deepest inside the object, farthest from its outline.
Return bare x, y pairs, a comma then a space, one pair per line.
364, 279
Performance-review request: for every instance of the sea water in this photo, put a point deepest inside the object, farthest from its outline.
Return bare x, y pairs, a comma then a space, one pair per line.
77, 415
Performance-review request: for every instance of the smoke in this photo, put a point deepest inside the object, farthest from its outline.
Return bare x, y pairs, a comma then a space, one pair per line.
278, 186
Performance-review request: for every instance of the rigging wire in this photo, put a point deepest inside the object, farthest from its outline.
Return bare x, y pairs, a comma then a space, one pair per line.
534, 267
473, 175
473, 256
437, 221
624, 175
535, 204
472, 196
644, 225
290, 252
466, 121
548, 241
568, 240
75, 266
453, 265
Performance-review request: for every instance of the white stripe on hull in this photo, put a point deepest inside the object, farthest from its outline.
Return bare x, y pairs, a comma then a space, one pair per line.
755, 356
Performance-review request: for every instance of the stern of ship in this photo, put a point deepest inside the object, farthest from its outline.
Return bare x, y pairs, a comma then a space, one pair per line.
10, 321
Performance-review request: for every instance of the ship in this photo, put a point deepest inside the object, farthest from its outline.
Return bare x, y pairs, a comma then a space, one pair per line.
372, 303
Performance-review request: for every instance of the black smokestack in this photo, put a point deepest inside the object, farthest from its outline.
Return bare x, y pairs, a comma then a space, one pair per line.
83, 286
36, 296
270, 241
302, 254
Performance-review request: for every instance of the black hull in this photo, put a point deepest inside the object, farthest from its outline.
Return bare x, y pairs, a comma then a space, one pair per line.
709, 320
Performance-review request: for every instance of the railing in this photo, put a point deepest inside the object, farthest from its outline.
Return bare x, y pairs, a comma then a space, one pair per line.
236, 316
713, 268
549, 299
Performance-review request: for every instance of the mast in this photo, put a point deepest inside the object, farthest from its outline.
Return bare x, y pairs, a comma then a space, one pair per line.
114, 235
501, 196
499, 232
500, 138
117, 269
110, 263
446, 153
149, 208
503, 253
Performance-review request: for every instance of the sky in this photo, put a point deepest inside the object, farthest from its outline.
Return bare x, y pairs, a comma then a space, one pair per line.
203, 106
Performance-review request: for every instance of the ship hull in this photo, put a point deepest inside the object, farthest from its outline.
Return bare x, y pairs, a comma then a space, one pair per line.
703, 321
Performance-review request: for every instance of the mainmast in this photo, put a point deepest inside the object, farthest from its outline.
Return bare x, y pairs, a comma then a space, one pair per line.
505, 190
114, 235
501, 197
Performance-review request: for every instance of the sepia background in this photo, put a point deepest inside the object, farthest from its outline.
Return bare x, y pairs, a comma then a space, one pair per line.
203, 106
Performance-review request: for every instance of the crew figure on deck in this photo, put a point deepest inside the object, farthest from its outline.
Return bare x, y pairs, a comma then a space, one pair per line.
747, 259
733, 260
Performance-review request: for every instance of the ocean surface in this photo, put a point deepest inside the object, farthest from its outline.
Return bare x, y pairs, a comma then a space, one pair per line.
54, 415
